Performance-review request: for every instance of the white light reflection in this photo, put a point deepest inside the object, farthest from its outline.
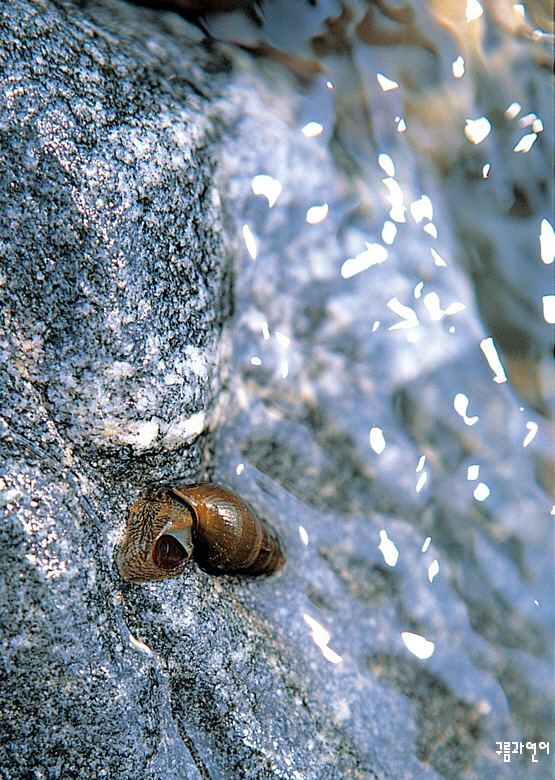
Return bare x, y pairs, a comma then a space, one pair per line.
526, 121
525, 143
317, 214
372, 255
265, 185
461, 405
386, 164
377, 440
389, 231
472, 472
433, 570
240, 468
282, 339
422, 209
488, 348
485, 170
418, 289
458, 67
385, 83
284, 369
421, 462
312, 129
417, 645
250, 243
256, 361
473, 10
547, 242
375, 326
421, 481
388, 550
303, 534
427, 542
477, 129
519, 10
432, 303
408, 314
395, 197
430, 229
139, 645
401, 126
537, 126
548, 302
438, 259
329, 85
321, 638
265, 331
482, 491
513, 110
532, 429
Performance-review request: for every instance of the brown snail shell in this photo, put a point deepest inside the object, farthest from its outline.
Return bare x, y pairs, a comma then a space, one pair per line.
169, 524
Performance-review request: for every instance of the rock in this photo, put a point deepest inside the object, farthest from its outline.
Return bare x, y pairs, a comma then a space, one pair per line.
130, 147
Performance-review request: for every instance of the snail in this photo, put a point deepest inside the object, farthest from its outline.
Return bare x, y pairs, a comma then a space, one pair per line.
169, 524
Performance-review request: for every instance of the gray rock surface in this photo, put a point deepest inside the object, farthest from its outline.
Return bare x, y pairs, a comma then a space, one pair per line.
123, 132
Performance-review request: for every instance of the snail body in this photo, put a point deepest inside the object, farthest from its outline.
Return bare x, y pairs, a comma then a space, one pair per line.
208, 522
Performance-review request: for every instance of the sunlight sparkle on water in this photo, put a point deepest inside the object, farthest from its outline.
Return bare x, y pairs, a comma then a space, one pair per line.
265, 185
421, 481
375, 326
255, 361
303, 534
485, 170
385, 83
282, 339
525, 143
372, 255
513, 110
388, 550
547, 242
438, 259
389, 231
250, 243
433, 570
477, 129
317, 214
386, 164
401, 125
421, 462
481, 492
395, 197
312, 129
377, 440
408, 314
321, 638
430, 229
240, 468
265, 331
473, 10
458, 67
284, 369
422, 209
417, 645
418, 289
532, 429
472, 472
548, 302
488, 348
427, 542
461, 405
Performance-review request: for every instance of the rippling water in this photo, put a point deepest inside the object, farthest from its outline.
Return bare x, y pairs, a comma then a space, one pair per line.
391, 369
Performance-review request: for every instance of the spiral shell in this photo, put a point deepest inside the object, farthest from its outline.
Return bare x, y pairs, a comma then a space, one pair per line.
171, 523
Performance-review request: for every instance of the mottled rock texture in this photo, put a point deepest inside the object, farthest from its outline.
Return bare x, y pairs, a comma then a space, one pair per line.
123, 131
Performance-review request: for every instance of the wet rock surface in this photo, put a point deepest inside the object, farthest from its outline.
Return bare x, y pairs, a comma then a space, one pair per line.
123, 131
